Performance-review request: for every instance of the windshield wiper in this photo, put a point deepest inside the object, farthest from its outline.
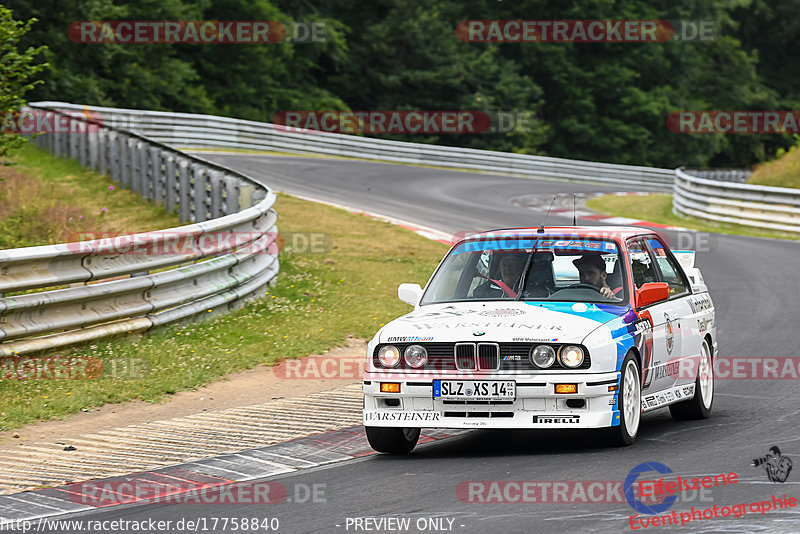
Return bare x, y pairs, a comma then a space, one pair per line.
524, 276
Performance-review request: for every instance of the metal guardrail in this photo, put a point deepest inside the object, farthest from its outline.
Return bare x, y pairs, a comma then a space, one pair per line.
738, 176
776, 208
227, 254
208, 131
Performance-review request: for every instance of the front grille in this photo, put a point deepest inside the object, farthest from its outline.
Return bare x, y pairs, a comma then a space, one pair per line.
465, 356
444, 357
488, 356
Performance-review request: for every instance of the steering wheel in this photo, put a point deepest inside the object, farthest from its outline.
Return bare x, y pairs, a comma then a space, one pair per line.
583, 286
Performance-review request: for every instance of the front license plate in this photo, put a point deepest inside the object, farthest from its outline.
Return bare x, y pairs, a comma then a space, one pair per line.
476, 390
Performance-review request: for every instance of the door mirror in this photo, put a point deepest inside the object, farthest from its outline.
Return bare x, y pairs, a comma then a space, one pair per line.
651, 292
410, 293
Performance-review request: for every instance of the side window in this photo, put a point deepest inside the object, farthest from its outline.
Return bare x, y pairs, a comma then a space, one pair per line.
642, 267
669, 269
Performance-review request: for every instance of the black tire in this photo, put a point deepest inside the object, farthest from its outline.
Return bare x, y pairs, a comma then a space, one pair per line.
699, 406
630, 392
392, 440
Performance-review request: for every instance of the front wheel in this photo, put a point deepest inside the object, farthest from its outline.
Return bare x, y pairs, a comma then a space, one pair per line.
630, 404
392, 440
699, 406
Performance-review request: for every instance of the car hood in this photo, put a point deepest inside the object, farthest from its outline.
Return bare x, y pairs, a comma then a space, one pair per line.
557, 322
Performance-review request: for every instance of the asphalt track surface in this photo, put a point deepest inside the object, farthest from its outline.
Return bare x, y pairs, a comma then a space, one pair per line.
754, 283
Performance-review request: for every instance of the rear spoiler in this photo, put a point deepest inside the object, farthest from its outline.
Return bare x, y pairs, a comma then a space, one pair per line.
686, 259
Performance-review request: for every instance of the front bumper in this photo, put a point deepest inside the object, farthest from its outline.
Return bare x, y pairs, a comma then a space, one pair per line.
536, 404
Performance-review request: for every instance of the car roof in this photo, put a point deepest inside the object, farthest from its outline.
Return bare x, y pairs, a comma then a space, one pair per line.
609, 232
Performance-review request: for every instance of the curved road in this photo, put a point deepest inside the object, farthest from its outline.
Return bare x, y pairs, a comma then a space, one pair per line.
754, 285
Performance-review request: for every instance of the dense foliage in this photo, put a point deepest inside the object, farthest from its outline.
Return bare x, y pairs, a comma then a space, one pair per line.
17, 66
603, 102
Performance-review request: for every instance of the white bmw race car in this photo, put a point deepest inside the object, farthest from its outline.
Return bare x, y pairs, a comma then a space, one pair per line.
560, 327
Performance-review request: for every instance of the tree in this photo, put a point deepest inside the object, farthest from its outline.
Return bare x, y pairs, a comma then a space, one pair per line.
16, 70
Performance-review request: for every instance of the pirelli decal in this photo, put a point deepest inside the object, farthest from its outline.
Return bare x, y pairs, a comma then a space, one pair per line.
556, 419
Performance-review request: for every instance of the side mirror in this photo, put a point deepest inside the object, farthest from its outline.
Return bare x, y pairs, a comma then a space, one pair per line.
652, 292
409, 293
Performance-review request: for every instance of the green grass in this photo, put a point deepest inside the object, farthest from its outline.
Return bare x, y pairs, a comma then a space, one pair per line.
319, 299
45, 200
781, 172
658, 208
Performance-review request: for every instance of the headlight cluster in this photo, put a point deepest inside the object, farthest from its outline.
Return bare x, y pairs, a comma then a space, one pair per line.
544, 356
416, 356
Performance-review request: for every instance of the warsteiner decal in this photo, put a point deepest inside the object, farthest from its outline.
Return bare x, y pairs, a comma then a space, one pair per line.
444, 313
401, 416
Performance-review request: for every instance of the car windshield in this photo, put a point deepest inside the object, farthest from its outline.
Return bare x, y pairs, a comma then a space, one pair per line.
561, 269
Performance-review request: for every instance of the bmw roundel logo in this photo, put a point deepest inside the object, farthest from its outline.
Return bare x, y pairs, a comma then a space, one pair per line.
478, 333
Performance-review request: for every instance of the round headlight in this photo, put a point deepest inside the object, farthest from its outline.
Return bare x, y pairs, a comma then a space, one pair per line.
572, 356
389, 356
543, 356
416, 356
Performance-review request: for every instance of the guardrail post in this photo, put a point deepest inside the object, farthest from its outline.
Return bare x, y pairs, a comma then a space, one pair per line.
83, 144
245, 194
215, 180
184, 191
102, 151
125, 164
73, 139
154, 185
58, 144
91, 141
231, 195
138, 168
170, 183
200, 194
112, 143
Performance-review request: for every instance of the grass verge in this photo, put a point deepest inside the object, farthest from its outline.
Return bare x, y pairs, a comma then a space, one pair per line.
348, 288
45, 200
781, 172
658, 208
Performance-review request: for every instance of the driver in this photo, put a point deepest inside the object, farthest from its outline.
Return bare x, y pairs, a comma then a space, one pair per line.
592, 270
511, 266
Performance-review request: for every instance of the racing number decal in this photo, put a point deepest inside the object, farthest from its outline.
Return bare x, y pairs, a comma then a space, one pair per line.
644, 342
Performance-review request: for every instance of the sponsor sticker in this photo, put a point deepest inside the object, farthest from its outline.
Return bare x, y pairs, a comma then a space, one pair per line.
556, 419
401, 416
